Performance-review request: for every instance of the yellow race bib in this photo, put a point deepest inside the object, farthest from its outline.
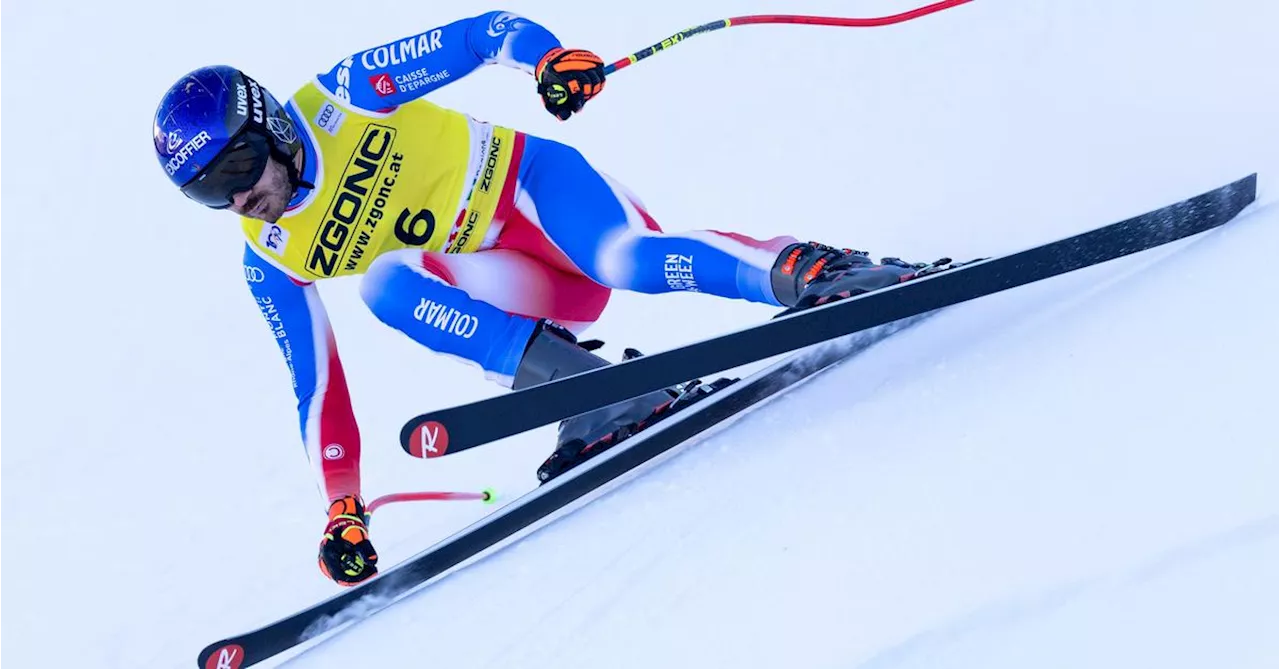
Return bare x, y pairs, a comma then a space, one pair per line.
384, 182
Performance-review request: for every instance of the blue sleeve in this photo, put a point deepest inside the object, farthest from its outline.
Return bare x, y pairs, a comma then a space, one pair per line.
300, 326
407, 69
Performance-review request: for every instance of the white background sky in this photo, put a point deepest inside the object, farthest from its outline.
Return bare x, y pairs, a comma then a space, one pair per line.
155, 494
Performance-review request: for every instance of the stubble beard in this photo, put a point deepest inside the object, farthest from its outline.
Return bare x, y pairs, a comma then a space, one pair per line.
278, 193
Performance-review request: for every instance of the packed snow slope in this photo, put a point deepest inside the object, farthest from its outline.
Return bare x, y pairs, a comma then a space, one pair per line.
1082, 472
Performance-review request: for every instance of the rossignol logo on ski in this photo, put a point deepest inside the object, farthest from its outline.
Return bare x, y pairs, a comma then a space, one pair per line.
431, 440
230, 656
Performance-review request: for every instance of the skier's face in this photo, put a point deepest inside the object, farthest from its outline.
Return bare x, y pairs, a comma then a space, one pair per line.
267, 200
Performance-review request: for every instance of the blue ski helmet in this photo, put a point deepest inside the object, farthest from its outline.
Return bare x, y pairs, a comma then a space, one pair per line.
214, 131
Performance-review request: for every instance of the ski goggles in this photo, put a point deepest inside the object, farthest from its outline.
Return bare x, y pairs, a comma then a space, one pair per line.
234, 170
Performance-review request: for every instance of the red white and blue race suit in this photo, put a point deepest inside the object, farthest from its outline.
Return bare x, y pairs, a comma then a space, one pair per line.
548, 238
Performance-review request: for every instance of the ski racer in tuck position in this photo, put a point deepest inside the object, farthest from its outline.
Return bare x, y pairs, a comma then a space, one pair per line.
476, 241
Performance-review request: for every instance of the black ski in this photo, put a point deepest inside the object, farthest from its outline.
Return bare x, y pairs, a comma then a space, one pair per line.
363, 601
1181, 220
462, 427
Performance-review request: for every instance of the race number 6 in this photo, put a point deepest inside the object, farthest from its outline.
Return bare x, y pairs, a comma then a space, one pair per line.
415, 229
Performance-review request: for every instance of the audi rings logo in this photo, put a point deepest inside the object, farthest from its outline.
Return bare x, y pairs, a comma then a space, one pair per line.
334, 452
254, 274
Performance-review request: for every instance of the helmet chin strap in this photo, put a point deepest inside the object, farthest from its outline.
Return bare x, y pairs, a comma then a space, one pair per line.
295, 178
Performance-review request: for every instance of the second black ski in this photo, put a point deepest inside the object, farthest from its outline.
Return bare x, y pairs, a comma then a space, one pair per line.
462, 427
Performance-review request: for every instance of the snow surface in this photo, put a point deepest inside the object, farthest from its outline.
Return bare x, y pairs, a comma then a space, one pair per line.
1082, 472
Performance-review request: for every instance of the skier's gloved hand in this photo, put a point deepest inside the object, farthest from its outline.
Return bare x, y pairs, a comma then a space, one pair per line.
346, 555
567, 78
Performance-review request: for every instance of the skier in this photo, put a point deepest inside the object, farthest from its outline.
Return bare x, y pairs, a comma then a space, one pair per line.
477, 241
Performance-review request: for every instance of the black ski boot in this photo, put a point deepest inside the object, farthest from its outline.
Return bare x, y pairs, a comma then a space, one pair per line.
807, 275
554, 352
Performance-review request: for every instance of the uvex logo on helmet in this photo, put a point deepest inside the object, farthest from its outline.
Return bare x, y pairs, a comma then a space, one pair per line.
257, 101
250, 93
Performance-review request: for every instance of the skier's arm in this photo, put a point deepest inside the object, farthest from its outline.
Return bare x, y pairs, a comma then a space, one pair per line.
404, 70
300, 326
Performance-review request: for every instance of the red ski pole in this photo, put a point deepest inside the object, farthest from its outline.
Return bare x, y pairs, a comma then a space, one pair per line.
487, 495
782, 18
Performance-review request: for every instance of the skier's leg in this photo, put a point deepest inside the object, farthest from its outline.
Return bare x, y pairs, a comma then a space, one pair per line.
481, 307
609, 236
504, 311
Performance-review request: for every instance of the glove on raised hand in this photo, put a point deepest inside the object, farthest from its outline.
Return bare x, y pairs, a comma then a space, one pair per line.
567, 78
